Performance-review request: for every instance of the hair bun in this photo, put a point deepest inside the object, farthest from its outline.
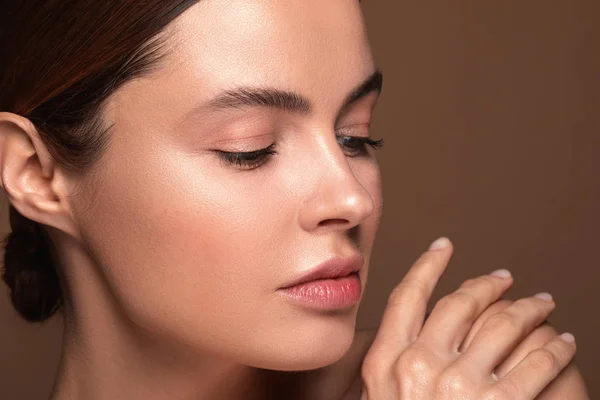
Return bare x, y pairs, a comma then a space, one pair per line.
30, 274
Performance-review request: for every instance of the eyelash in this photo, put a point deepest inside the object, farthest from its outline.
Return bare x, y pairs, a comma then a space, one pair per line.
254, 159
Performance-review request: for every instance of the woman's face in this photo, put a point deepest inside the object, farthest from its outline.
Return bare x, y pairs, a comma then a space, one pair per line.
194, 248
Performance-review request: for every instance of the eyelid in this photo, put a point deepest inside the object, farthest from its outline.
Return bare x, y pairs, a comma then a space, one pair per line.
362, 105
248, 160
358, 124
353, 127
247, 152
243, 137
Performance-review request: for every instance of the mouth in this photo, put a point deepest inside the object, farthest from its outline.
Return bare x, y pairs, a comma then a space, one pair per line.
334, 268
332, 285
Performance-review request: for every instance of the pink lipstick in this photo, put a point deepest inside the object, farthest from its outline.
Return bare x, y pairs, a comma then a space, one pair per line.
332, 285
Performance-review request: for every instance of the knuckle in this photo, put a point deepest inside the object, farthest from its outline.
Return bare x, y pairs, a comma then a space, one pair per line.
371, 370
445, 303
485, 281
461, 300
394, 297
374, 370
469, 283
413, 289
503, 322
492, 394
412, 364
504, 390
453, 382
544, 361
370, 362
492, 309
563, 353
398, 295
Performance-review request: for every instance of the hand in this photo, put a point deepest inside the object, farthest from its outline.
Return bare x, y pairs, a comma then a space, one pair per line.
569, 383
412, 360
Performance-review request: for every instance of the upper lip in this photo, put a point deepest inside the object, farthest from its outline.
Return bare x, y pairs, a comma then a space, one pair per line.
333, 268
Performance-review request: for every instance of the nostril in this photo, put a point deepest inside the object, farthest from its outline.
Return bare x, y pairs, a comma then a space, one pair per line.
331, 221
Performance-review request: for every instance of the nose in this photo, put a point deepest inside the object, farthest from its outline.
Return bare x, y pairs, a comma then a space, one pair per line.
338, 199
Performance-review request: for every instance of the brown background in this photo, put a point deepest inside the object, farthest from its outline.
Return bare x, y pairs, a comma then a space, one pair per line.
490, 117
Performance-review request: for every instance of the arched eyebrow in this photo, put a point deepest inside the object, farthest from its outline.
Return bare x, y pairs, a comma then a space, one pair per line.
245, 97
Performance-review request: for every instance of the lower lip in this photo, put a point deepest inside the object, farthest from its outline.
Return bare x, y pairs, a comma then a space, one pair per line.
327, 294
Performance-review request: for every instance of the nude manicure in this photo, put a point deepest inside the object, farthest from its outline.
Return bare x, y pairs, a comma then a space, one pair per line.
544, 296
501, 273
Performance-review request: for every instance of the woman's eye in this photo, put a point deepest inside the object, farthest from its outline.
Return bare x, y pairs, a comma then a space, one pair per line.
248, 160
358, 145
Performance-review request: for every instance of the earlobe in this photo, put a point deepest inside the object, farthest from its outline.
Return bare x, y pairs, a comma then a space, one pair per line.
27, 172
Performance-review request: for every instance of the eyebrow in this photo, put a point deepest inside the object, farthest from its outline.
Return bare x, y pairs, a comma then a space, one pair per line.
288, 101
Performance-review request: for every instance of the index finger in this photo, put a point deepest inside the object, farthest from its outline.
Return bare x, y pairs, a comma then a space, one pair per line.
405, 311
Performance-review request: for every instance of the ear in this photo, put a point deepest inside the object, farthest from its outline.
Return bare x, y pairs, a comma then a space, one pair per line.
35, 187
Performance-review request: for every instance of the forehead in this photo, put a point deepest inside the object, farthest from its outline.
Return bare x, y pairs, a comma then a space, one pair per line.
291, 44
316, 48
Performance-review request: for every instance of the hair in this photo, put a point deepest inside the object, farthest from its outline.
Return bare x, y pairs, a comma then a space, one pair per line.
59, 62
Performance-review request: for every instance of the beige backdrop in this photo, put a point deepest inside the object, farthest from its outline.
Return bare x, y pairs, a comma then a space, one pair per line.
490, 117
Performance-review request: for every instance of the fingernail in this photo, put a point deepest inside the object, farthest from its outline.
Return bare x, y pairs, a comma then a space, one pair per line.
544, 296
567, 337
501, 273
440, 243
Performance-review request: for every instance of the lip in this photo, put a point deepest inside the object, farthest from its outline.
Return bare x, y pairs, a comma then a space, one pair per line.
333, 268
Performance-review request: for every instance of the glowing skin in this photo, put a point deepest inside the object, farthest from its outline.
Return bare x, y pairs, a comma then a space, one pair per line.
174, 293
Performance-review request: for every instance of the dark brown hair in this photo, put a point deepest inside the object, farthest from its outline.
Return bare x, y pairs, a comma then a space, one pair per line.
59, 61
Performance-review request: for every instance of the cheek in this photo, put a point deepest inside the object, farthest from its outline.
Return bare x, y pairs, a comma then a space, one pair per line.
181, 244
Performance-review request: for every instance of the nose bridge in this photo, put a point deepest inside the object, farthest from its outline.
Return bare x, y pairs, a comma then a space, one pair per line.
337, 193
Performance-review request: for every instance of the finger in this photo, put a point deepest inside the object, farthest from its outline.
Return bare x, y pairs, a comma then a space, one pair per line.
488, 312
407, 303
539, 337
503, 331
562, 386
454, 314
536, 371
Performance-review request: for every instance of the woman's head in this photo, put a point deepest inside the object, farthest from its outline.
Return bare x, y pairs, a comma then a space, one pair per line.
115, 142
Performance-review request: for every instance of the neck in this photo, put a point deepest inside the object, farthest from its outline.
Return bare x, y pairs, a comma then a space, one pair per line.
98, 366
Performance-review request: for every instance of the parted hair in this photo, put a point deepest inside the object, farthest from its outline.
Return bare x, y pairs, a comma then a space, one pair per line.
60, 60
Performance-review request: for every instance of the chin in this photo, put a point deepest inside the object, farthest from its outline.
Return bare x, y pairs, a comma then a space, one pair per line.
309, 346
